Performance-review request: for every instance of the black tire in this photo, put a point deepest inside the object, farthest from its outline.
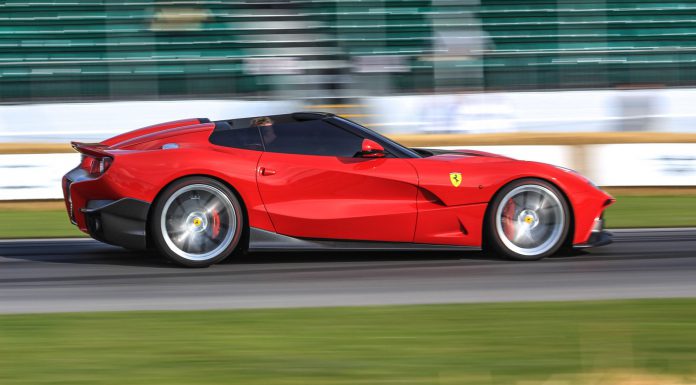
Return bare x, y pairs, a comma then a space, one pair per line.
513, 231
190, 233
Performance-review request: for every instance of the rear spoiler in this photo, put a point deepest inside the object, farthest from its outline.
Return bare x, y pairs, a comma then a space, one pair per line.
92, 149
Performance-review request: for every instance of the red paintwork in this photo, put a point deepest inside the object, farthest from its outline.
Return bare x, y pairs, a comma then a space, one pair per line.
140, 171
377, 199
483, 176
340, 198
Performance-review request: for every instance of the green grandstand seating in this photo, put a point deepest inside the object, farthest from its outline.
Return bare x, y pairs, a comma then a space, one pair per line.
87, 49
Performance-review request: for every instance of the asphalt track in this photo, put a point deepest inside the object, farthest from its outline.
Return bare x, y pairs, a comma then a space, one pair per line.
84, 275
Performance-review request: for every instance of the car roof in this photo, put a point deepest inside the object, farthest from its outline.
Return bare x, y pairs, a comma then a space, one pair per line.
282, 118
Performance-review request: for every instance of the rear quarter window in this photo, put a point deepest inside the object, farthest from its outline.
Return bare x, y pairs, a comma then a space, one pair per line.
244, 137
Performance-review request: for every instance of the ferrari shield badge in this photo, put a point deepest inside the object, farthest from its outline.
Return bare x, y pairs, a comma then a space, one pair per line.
456, 178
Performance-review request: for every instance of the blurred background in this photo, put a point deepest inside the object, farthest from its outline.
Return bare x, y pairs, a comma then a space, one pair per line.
503, 74
606, 87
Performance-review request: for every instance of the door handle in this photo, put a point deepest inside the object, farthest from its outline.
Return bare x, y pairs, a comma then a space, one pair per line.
266, 171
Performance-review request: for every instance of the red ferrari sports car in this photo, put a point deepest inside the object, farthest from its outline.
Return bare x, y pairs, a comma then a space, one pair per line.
198, 191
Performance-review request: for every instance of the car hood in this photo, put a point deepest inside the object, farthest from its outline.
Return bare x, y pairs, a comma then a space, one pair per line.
465, 156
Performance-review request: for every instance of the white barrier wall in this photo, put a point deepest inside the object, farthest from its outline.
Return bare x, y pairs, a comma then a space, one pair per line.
648, 164
38, 176
664, 110
34, 176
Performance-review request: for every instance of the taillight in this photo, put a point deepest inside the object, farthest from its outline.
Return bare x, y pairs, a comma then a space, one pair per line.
95, 166
104, 164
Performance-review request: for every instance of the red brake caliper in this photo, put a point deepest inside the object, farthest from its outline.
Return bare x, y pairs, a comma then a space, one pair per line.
216, 223
508, 221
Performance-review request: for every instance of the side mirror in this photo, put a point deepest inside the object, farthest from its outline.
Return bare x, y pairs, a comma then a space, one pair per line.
372, 149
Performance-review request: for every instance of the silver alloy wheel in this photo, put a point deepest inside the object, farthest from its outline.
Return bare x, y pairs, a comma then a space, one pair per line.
198, 222
530, 220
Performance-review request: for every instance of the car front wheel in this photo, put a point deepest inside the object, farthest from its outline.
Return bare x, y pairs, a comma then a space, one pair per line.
197, 222
528, 219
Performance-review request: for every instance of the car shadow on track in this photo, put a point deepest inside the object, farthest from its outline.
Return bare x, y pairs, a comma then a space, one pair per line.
78, 252
348, 256
100, 254
385, 256
93, 253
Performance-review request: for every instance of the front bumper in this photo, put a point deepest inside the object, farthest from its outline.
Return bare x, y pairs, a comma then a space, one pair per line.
122, 222
598, 237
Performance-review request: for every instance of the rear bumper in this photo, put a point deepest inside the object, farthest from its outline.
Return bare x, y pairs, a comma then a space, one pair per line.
122, 222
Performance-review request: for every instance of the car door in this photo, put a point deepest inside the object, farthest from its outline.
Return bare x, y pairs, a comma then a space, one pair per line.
314, 185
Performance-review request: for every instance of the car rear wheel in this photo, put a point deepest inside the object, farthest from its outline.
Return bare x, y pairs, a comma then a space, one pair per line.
528, 220
197, 222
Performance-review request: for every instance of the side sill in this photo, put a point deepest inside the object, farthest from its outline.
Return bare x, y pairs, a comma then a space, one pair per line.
262, 240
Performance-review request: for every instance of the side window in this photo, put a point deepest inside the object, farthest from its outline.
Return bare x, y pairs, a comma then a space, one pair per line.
312, 137
246, 137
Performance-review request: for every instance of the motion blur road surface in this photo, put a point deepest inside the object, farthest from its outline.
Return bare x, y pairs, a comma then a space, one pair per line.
84, 275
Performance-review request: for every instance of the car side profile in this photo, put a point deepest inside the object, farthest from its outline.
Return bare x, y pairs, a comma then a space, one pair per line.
198, 191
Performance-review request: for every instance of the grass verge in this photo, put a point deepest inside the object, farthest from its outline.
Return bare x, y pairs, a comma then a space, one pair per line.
652, 211
530, 343
48, 219
41, 221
